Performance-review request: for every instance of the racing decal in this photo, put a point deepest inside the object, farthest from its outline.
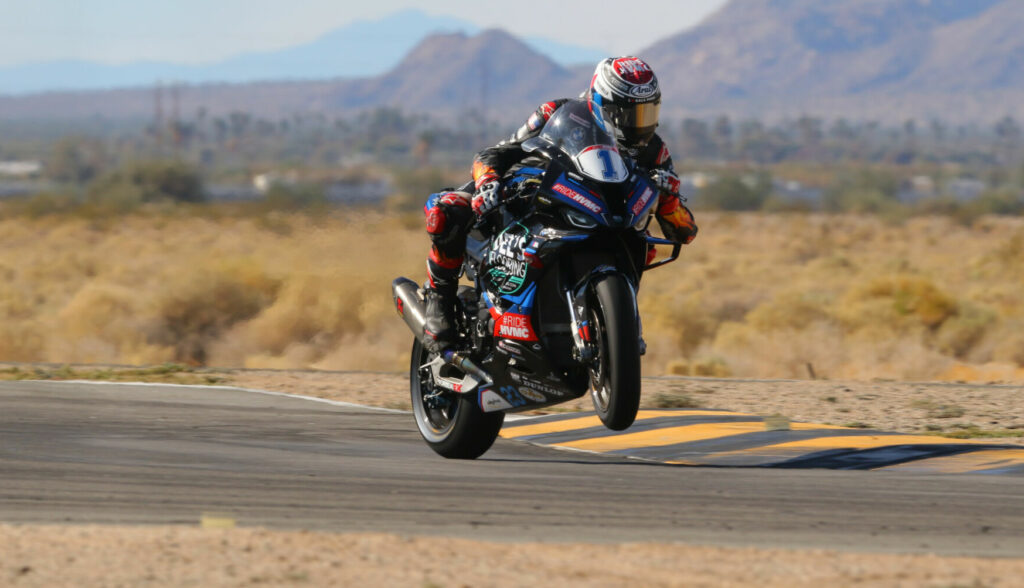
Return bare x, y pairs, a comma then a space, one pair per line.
634, 70
579, 120
490, 401
577, 197
507, 347
511, 395
645, 91
642, 202
506, 264
535, 385
532, 395
514, 326
602, 162
547, 109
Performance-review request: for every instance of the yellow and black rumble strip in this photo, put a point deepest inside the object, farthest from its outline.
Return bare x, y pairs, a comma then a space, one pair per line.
723, 438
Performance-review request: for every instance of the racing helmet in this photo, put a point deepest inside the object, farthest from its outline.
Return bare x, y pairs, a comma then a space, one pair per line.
625, 91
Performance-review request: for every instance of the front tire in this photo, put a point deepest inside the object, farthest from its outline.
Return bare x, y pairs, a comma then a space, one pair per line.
615, 370
451, 424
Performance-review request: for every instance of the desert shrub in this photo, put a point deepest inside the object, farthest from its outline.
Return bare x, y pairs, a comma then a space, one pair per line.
960, 333
863, 190
689, 322
47, 203
1010, 348
895, 300
296, 197
737, 192
21, 341
791, 310
412, 186
104, 322
126, 188
197, 310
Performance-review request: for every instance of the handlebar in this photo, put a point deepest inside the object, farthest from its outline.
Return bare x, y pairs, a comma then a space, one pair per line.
676, 248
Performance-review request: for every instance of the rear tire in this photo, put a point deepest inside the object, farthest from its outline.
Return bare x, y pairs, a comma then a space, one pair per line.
451, 424
615, 371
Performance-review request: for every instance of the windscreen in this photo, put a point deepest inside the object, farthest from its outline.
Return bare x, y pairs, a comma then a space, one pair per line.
591, 145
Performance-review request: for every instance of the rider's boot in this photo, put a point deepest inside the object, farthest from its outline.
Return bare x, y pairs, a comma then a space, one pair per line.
441, 298
439, 329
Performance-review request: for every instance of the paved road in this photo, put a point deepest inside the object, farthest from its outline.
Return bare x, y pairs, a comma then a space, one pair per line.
77, 453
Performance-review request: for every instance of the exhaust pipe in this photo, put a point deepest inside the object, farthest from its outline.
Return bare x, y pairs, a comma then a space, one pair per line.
409, 303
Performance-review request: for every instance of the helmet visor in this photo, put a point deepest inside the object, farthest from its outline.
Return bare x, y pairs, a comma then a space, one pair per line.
638, 121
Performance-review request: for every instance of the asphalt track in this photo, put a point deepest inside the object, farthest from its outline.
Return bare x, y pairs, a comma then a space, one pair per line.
155, 454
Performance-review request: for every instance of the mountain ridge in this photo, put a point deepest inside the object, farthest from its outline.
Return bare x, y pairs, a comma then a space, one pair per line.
363, 48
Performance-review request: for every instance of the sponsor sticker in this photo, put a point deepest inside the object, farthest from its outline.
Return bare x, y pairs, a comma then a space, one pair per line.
579, 120
514, 326
642, 91
490, 401
533, 395
512, 396
577, 197
536, 385
634, 70
641, 202
507, 266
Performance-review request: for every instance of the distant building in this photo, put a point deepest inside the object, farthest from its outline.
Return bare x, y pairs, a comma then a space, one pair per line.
20, 169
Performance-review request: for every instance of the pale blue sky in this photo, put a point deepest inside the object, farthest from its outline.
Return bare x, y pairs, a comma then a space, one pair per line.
202, 31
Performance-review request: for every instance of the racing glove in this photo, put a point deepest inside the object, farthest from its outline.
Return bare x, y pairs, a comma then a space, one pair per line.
487, 197
665, 180
676, 221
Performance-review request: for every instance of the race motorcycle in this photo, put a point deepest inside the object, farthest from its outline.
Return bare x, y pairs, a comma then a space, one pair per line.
552, 312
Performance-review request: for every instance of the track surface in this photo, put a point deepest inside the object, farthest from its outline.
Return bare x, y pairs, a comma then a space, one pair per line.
78, 453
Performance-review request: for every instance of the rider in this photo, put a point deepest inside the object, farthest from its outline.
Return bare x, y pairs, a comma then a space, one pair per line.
626, 90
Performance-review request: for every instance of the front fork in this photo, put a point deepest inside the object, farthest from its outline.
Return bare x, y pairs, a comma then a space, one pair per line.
577, 302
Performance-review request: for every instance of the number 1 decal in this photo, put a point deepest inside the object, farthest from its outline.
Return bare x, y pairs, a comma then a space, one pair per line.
609, 168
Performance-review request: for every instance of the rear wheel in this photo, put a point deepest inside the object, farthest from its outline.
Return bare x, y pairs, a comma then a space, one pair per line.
615, 369
451, 424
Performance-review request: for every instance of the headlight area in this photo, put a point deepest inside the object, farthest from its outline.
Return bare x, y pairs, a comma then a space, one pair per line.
578, 219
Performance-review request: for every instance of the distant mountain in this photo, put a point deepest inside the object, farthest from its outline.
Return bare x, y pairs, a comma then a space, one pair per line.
488, 71
361, 49
887, 59
445, 74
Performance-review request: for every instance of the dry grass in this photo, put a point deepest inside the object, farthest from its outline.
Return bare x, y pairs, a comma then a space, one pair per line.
756, 295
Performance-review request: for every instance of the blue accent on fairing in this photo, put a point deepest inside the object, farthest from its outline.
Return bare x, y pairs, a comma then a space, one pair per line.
524, 301
639, 186
572, 238
575, 187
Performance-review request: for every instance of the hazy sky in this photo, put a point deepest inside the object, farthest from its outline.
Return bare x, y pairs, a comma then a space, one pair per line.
199, 31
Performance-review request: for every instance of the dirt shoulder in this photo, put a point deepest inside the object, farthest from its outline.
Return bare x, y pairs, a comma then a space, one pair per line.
90, 556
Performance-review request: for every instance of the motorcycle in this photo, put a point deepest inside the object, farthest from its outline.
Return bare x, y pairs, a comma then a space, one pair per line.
552, 311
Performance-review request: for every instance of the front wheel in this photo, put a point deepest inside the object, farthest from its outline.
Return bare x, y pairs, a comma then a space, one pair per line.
615, 369
451, 424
